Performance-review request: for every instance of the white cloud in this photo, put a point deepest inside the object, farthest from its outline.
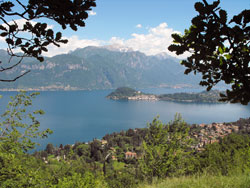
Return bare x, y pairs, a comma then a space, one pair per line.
20, 23
155, 41
138, 26
24, 34
116, 40
92, 13
73, 43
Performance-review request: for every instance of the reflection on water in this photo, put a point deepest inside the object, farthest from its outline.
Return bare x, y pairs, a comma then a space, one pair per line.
84, 115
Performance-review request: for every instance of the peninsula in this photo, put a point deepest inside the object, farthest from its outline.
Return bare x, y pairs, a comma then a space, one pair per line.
126, 93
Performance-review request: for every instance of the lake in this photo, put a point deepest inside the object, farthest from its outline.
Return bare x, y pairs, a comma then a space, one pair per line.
85, 115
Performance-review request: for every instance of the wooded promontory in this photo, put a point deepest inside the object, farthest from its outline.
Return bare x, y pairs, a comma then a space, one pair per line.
125, 93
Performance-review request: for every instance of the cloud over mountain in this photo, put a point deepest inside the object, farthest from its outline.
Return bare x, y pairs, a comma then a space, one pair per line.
154, 41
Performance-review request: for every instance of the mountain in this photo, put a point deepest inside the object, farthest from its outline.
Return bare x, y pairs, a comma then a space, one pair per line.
100, 68
117, 48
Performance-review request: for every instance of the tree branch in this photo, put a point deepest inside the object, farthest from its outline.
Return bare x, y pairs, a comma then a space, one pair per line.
8, 68
13, 80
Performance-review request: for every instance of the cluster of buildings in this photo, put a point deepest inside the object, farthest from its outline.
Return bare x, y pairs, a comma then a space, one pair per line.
209, 133
143, 97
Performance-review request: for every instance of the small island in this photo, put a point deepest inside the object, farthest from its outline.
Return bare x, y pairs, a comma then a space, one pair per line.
126, 93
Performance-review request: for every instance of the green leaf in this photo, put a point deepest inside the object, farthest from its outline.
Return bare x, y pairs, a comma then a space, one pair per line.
221, 61
228, 56
221, 50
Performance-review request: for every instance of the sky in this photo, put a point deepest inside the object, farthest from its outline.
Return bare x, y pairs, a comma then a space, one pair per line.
142, 25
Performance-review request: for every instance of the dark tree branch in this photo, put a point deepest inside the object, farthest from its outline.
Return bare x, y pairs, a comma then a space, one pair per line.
66, 13
11, 67
13, 80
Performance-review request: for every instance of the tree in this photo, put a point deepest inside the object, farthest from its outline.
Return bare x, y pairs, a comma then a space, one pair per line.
19, 125
66, 13
50, 149
229, 156
18, 129
166, 149
220, 50
88, 180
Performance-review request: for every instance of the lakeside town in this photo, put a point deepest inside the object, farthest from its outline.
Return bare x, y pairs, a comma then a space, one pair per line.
214, 132
126, 93
203, 134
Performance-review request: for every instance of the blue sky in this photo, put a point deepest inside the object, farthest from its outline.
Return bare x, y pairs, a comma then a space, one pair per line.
143, 25
119, 17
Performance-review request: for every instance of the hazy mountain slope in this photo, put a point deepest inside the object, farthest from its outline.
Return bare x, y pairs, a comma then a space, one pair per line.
100, 68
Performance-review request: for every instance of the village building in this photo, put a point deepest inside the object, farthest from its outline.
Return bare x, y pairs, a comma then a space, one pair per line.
130, 155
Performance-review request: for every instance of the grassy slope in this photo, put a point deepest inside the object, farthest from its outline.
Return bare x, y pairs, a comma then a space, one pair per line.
236, 181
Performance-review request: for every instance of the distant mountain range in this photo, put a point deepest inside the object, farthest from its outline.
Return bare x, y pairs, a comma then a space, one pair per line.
100, 68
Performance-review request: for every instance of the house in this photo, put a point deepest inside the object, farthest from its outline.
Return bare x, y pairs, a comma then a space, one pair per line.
130, 155
104, 142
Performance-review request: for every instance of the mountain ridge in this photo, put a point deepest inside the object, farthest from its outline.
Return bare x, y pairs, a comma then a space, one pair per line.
100, 68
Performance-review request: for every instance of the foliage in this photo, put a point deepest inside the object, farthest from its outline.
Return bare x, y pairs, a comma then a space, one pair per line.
204, 181
19, 125
21, 170
166, 149
123, 93
77, 180
205, 96
32, 13
220, 49
231, 155
122, 179
18, 129
163, 151
211, 96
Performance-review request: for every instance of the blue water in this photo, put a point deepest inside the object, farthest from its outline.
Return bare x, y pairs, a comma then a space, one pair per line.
85, 115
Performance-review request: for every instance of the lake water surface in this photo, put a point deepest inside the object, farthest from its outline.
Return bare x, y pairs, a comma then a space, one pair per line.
85, 115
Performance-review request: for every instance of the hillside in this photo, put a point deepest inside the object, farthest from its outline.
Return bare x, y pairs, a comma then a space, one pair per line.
131, 94
123, 93
99, 68
217, 152
211, 96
